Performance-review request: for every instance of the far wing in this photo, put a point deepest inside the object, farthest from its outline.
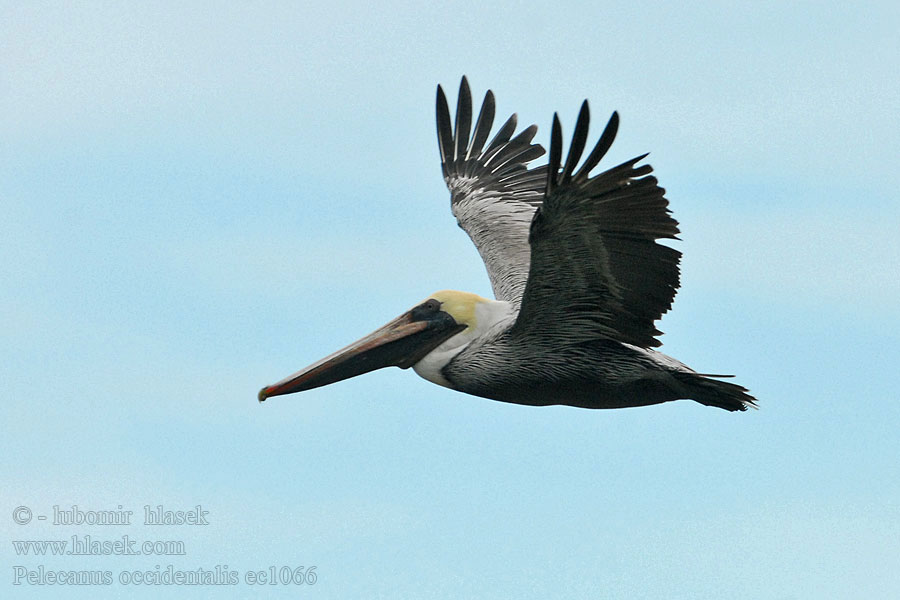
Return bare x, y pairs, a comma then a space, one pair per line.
493, 194
596, 268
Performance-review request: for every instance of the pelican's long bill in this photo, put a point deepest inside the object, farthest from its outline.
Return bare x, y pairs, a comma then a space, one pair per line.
401, 343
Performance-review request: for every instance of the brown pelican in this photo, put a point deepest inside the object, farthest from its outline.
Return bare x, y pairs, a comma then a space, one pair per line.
578, 276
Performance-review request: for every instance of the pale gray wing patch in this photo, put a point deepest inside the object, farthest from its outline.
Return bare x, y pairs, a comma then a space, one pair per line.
493, 193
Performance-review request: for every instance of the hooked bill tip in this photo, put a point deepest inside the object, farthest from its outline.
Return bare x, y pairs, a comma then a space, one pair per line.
262, 394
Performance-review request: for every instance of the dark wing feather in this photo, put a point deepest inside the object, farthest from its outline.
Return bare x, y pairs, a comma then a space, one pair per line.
596, 268
493, 193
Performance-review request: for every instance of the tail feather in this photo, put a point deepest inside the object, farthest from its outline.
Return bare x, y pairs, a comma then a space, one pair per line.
720, 394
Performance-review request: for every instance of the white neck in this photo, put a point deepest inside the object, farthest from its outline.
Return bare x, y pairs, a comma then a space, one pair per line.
490, 315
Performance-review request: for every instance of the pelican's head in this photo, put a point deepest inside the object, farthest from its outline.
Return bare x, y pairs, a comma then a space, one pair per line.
403, 342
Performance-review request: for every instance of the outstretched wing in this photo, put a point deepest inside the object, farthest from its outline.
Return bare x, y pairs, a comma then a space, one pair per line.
596, 268
493, 194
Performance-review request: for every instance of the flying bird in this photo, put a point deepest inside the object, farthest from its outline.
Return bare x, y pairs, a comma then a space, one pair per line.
576, 269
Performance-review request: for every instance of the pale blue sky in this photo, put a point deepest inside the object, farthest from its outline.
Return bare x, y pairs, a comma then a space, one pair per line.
200, 200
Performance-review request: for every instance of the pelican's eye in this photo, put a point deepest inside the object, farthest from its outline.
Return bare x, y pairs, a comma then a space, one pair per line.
427, 310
